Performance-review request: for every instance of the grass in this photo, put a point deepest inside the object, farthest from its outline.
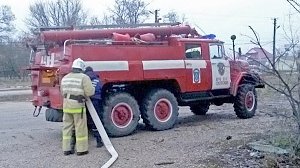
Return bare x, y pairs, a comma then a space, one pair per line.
283, 141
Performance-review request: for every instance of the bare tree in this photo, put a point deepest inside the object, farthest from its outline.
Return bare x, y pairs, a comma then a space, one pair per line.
285, 82
7, 61
105, 20
95, 20
6, 23
56, 13
129, 11
183, 18
14, 58
171, 17
295, 4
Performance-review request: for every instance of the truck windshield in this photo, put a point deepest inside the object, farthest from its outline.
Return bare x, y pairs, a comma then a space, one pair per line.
216, 51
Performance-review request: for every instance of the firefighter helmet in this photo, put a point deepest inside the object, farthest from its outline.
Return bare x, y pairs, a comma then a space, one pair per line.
78, 63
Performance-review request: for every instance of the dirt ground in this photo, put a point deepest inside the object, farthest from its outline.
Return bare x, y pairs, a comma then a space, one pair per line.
218, 139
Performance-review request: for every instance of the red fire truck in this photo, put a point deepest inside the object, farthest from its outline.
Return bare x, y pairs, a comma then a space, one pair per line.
146, 72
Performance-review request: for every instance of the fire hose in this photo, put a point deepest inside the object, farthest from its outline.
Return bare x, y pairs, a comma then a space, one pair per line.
103, 134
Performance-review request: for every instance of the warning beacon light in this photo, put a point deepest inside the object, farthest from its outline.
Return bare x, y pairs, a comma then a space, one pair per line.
209, 36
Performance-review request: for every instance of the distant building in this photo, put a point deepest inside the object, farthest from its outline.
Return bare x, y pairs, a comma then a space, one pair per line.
257, 57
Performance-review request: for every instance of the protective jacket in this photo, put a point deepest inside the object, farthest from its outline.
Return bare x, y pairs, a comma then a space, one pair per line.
96, 83
75, 87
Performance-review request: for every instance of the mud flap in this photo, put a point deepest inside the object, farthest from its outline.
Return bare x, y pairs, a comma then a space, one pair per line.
102, 133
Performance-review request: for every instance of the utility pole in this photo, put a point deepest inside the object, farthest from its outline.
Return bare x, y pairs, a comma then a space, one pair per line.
240, 52
274, 41
156, 16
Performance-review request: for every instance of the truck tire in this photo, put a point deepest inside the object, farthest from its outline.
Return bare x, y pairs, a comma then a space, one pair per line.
160, 110
245, 102
120, 114
218, 102
54, 115
200, 109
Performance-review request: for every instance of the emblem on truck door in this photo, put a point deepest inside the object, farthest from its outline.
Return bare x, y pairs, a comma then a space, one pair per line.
221, 68
196, 75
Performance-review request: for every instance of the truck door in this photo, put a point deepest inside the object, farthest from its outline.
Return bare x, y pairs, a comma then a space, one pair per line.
220, 67
196, 69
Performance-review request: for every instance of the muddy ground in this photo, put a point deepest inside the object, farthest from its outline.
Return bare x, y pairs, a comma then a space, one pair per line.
218, 139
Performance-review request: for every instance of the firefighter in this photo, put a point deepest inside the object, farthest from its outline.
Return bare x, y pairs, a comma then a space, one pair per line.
97, 102
75, 87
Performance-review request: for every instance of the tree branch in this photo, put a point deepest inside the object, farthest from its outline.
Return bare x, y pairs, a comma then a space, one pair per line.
290, 2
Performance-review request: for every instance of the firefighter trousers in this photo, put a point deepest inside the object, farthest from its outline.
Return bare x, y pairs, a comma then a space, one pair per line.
79, 122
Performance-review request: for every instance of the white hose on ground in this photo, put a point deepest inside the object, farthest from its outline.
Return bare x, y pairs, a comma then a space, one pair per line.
103, 134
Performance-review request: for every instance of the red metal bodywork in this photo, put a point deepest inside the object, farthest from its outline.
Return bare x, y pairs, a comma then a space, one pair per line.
238, 70
136, 55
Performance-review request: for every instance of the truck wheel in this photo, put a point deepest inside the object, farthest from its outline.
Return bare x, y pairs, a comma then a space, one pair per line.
218, 103
54, 115
200, 109
160, 109
120, 114
245, 102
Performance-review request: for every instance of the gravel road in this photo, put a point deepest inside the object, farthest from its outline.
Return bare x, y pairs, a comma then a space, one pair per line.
27, 142
15, 92
15, 95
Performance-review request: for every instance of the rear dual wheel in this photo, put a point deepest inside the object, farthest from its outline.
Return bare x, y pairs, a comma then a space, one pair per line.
120, 114
54, 115
160, 109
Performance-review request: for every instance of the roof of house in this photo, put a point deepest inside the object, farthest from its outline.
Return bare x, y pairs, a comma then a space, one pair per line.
258, 53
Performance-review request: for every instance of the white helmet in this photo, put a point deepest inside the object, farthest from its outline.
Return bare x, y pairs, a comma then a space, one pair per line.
78, 63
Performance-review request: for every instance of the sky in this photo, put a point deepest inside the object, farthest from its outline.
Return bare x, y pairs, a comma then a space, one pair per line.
220, 17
